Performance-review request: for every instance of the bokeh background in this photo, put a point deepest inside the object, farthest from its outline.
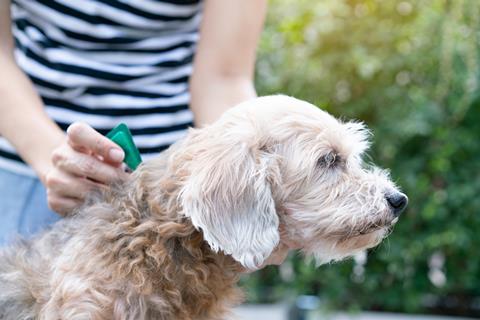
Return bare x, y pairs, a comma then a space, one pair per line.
410, 71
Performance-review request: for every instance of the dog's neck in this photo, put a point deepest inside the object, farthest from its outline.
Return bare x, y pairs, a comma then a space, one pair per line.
161, 253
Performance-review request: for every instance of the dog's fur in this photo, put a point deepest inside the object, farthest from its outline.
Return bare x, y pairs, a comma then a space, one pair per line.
273, 174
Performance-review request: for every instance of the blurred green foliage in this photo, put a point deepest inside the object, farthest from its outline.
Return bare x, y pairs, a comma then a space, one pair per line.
410, 70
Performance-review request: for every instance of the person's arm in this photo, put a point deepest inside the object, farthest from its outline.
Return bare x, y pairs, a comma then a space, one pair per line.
23, 121
68, 165
224, 63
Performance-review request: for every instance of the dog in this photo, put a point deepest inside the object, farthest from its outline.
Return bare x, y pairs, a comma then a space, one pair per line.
272, 175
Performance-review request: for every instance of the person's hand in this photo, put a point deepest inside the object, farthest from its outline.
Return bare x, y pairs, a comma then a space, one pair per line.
85, 160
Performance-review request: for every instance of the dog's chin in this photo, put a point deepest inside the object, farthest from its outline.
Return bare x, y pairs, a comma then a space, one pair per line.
363, 241
329, 251
385, 223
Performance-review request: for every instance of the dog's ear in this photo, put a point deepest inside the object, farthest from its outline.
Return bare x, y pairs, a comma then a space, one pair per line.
228, 195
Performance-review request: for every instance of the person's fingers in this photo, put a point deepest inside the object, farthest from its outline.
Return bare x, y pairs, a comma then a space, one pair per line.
62, 205
58, 202
64, 184
74, 173
81, 137
83, 165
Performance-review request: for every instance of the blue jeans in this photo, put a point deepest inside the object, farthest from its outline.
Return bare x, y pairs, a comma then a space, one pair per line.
23, 206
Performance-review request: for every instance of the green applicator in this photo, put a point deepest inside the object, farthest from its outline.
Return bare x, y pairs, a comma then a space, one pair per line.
122, 136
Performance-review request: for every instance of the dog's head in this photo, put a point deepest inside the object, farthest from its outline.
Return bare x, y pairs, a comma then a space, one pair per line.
277, 171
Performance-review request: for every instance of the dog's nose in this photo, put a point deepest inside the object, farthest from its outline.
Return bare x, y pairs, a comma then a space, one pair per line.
398, 201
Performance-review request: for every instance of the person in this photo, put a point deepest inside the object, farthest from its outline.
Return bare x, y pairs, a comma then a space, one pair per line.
72, 70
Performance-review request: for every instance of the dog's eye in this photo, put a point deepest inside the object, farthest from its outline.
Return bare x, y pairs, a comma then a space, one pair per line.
329, 160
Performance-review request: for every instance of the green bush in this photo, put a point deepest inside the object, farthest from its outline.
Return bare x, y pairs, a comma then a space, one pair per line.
410, 70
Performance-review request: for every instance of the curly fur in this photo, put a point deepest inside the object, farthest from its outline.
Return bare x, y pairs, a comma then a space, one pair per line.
126, 255
273, 174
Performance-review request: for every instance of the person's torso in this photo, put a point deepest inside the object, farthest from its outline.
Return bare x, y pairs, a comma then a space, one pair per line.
110, 61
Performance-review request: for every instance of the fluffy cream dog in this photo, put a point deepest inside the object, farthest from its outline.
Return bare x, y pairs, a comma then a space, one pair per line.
272, 175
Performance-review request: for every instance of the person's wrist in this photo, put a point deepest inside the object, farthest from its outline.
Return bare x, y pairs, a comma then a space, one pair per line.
42, 164
42, 167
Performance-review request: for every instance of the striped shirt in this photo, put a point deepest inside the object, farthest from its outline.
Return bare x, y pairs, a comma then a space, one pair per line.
109, 61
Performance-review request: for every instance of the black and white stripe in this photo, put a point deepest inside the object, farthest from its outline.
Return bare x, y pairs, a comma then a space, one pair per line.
109, 61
